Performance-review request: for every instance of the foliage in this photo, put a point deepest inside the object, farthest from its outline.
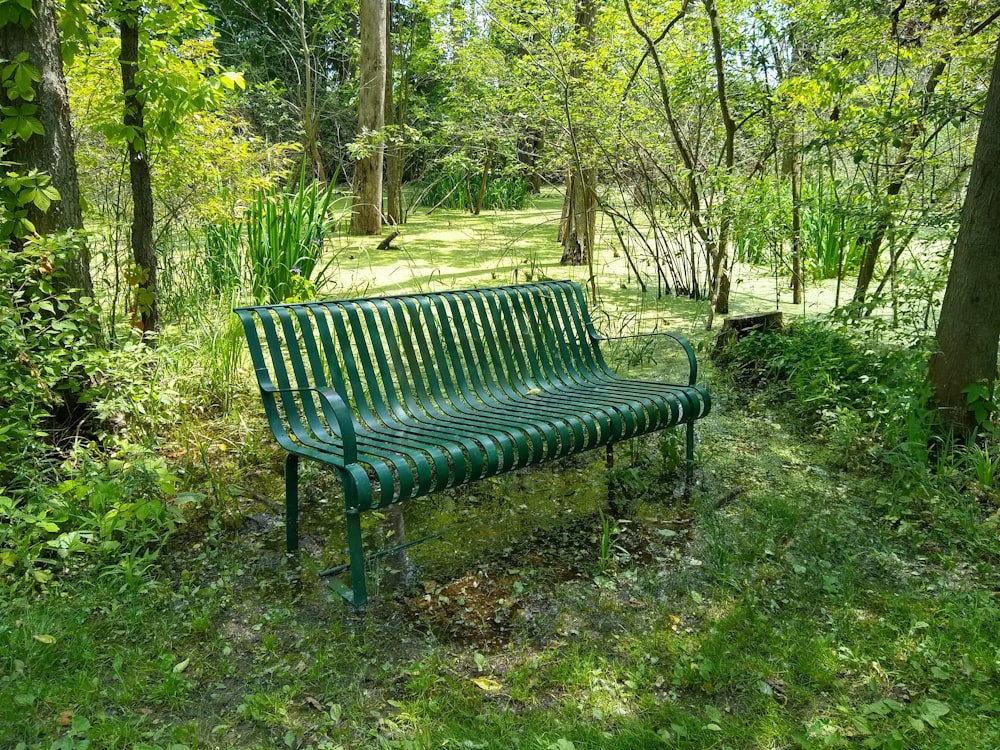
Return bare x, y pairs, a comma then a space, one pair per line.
49, 365
849, 385
830, 234
221, 256
44, 331
285, 233
455, 185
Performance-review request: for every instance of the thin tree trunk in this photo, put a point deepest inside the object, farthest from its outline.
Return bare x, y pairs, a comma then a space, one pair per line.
483, 181
900, 169
309, 99
581, 185
720, 301
796, 175
394, 144
146, 309
366, 215
969, 327
529, 147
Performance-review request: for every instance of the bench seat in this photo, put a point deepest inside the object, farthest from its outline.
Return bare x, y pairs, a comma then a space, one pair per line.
407, 395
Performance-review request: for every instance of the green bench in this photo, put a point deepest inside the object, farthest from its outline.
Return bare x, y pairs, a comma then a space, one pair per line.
407, 395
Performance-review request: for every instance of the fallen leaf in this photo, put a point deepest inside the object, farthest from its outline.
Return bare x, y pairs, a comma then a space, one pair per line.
45, 638
486, 684
181, 666
65, 718
314, 703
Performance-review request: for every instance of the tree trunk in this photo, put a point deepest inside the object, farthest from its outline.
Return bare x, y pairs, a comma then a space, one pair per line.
580, 216
796, 175
52, 151
529, 147
146, 310
580, 206
309, 99
969, 327
720, 298
484, 178
394, 144
366, 216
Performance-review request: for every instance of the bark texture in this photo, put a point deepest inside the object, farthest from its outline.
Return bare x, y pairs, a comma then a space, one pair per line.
366, 216
969, 327
146, 313
52, 151
394, 115
579, 217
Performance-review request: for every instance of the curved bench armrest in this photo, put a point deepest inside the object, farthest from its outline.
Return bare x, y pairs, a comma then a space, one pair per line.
334, 409
596, 335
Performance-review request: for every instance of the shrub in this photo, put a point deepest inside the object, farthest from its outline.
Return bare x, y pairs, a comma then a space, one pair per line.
847, 384
45, 334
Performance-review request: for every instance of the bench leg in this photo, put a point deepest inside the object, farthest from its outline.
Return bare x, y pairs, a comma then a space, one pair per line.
357, 553
291, 503
690, 451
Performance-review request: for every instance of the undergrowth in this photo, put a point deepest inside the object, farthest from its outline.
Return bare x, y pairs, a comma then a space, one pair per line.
816, 586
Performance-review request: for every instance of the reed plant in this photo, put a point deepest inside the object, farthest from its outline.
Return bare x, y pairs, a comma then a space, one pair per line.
285, 234
222, 251
828, 231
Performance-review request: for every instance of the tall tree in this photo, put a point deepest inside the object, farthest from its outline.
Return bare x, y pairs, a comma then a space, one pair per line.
36, 88
578, 227
366, 214
969, 327
394, 119
146, 305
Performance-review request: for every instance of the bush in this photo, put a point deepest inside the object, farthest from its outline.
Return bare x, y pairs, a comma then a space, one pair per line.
45, 335
57, 499
846, 384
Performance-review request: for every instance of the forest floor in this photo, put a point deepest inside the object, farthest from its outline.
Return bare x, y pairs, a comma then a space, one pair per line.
797, 594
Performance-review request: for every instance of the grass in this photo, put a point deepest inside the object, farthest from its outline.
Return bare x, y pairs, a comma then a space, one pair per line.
794, 614
793, 600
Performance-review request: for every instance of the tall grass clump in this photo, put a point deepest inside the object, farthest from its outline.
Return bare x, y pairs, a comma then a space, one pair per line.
456, 186
222, 250
285, 235
828, 232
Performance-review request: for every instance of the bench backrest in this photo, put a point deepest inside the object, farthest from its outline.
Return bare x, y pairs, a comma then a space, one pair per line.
438, 345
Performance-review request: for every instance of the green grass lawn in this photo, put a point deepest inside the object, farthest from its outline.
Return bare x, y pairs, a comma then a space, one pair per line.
797, 597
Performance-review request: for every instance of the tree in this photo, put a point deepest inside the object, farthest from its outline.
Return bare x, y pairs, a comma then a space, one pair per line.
300, 61
146, 310
395, 113
37, 135
578, 228
168, 71
366, 214
969, 327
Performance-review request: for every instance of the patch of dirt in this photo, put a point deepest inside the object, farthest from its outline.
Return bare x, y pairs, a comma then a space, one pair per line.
472, 609
514, 591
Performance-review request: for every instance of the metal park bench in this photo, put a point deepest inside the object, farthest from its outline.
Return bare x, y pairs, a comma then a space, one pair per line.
407, 395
